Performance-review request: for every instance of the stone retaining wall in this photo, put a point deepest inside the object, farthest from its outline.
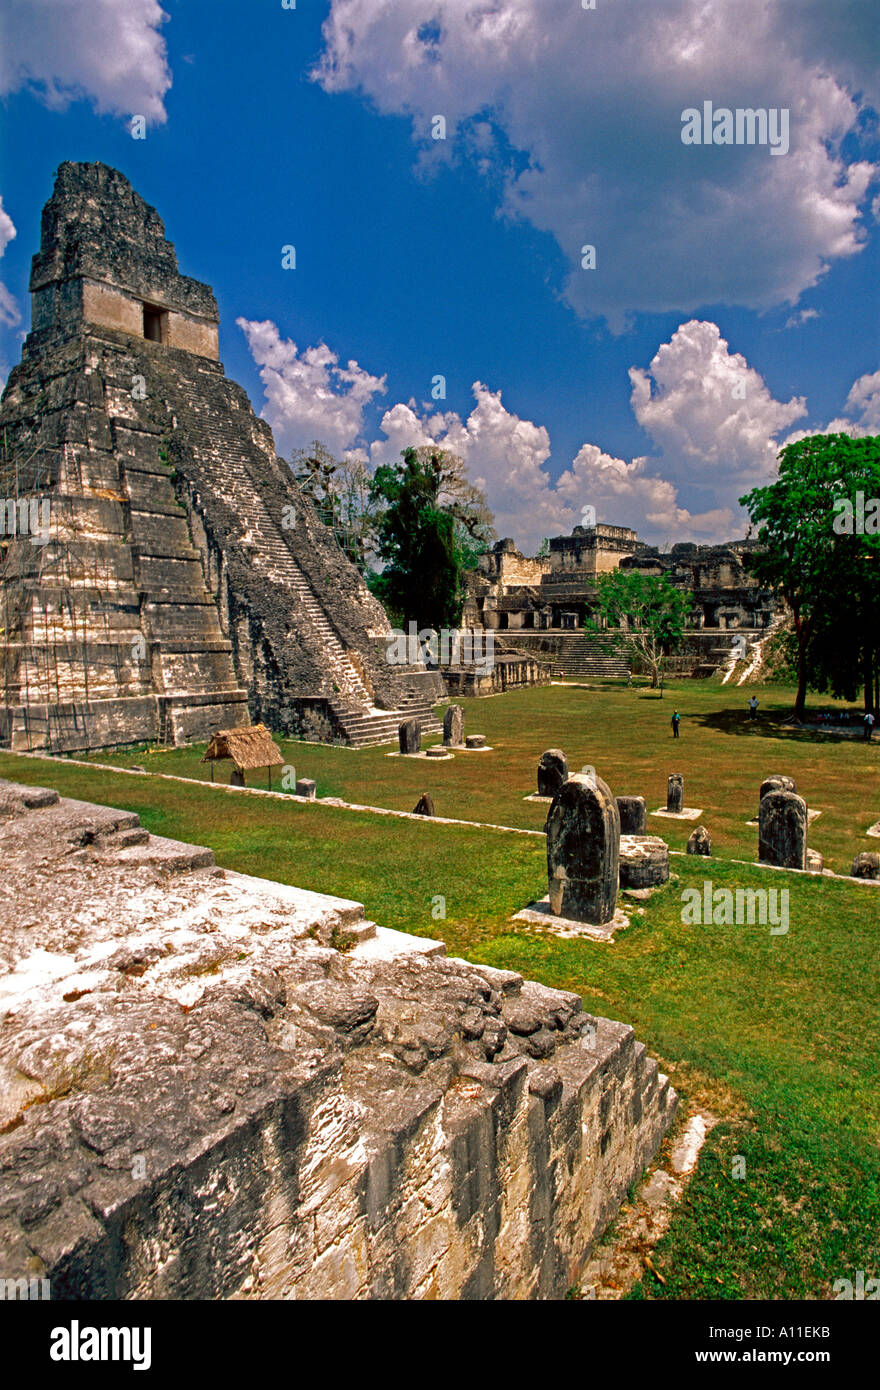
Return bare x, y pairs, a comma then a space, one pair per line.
214, 1086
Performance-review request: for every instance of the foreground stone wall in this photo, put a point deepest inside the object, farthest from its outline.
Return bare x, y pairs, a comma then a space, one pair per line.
213, 1086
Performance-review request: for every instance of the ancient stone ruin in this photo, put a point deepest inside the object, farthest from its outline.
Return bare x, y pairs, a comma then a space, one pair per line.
540, 603
552, 771
633, 815
583, 850
409, 736
866, 865
644, 861
699, 842
783, 824
215, 1086
777, 784
675, 793
453, 727
183, 582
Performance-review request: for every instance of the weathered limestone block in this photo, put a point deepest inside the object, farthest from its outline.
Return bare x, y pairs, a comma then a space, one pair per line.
866, 865
379, 1121
782, 830
583, 850
552, 771
675, 792
777, 784
815, 861
236, 778
453, 727
475, 741
699, 841
644, 861
424, 806
306, 786
633, 815
438, 751
409, 734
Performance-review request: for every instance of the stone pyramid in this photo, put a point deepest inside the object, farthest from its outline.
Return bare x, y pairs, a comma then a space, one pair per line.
162, 576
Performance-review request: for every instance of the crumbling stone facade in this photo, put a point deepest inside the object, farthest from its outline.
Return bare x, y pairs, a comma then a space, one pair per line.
542, 603
212, 1086
184, 583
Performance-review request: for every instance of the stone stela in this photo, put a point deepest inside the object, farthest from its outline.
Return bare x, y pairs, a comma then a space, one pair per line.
583, 851
783, 825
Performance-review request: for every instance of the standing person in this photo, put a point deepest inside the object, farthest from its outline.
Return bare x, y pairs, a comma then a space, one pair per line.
869, 725
753, 707
675, 721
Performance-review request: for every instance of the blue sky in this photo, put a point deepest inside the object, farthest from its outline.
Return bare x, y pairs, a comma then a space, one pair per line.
734, 301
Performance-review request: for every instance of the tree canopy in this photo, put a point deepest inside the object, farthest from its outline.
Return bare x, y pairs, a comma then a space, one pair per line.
651, 611
819, 528
430, 526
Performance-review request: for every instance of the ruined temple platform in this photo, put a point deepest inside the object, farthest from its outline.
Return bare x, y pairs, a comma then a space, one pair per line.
215, 1086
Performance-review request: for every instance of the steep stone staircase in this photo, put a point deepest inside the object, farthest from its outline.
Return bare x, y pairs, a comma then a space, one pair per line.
226, 458
574, 655
594, 656
365, 729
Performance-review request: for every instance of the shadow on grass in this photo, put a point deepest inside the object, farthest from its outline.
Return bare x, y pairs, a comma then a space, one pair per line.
777, 725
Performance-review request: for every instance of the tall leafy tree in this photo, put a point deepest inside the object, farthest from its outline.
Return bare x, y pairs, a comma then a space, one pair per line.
430, 526
650, 610
339, 491
821, 551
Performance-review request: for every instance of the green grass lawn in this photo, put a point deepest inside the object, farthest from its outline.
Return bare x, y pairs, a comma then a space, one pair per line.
625, 735
777, 1034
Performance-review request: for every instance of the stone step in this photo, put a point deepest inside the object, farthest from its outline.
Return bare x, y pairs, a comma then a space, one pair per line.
364, 736
171, 855
137, 836
244, 498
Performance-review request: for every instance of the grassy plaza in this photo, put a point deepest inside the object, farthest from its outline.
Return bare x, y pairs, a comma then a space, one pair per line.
775, 1034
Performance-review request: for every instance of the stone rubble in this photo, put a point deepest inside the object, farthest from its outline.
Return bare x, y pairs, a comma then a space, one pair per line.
215, 1086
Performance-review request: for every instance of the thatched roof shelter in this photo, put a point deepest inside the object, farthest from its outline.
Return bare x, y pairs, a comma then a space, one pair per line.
247, 748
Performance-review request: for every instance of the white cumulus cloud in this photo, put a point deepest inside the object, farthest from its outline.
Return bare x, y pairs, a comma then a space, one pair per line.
506, 455
308, 394
713, 421
575, 115
801, 317
10, 313
109, 51
711, 415
862, 408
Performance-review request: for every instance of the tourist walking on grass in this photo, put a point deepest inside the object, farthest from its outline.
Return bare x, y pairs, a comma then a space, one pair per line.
869, 725
675, 721
753, 707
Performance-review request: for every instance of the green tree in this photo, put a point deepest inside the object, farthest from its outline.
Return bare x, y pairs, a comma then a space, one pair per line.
650, 610
820, 548
339, 491
430, 526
